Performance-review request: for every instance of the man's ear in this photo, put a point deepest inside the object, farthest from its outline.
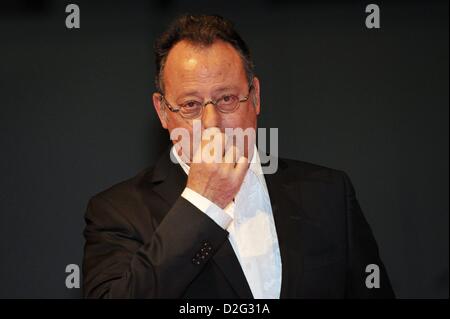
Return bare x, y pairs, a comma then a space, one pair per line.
159, 108
255, 95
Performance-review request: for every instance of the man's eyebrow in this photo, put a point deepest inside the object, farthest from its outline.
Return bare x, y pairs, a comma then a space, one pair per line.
188, 93
226, 88
215, 91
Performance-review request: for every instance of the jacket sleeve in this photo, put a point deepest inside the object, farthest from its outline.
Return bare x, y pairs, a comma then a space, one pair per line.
362, 252
118, 265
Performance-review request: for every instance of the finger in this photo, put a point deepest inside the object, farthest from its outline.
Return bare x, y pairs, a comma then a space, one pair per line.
210, 135
224, 144
220, 140
231, 155
211, 148
241, 167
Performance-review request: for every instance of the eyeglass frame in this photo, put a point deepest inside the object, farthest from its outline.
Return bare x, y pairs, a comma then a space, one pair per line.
174, 110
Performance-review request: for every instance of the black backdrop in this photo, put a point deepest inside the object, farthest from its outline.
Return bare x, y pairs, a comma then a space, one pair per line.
76, 117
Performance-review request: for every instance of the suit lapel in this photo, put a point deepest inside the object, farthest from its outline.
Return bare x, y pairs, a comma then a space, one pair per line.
226, 260
169, 178
288, 223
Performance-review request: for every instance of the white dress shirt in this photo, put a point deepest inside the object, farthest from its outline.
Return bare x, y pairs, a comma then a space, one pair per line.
252, 234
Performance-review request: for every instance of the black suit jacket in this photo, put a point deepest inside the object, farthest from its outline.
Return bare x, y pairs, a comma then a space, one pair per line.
143, 240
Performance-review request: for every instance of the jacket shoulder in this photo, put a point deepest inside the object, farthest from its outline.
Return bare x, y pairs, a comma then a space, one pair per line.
122, 201
126, 187
301, 170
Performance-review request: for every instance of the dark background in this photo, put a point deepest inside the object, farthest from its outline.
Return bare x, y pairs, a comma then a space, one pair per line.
76, 117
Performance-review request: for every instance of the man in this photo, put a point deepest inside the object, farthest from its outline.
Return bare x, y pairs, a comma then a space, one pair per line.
223, 229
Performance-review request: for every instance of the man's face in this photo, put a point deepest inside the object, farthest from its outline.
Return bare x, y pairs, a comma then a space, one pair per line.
206, 73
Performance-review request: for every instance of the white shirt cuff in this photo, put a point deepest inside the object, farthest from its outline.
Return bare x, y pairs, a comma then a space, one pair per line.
213, 211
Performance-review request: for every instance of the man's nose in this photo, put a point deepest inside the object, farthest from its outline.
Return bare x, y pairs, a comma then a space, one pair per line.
210, 116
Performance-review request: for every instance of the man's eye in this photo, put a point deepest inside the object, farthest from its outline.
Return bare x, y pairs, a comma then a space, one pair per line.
191, 105
228, 99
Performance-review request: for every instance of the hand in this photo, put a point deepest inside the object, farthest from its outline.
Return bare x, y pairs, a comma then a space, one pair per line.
219, 181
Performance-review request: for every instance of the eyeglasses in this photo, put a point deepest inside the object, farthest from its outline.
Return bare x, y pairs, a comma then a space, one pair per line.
193, 109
